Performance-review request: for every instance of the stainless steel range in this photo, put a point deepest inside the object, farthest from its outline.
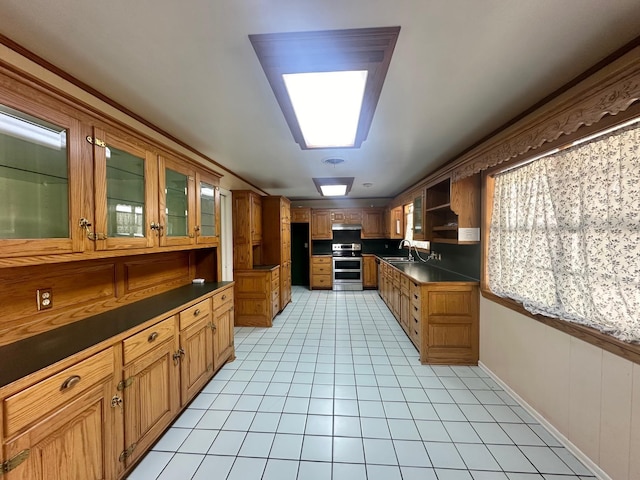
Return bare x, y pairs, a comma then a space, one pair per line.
347, 266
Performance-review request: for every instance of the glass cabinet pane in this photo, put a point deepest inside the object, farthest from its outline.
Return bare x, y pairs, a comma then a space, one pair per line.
207, 210
177, 210
417, 216
125, 194
34, 182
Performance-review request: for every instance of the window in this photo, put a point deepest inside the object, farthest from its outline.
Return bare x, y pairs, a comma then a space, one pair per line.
564, 235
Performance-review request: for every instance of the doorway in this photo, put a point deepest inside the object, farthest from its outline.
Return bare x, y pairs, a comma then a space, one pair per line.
300, 254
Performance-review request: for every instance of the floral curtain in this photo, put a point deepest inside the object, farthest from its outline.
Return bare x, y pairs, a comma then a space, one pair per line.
564, 238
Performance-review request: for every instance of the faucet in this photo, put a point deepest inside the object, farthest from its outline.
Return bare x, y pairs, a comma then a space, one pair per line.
402, 242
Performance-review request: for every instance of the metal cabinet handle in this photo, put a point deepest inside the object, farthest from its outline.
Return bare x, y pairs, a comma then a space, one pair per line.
224, 297
152, 337
70, 382
196, 312
213, 327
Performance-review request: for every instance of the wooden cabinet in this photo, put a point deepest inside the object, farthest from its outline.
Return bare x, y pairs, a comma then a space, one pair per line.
276, 245
418, 217
125, 187
196, 348
350, 216
151, 387
177, 202
373, 225
321, 224
257, 296
64, 426
321, 272
370, 271
223, 323
440, 319
452, 213
396, 223
247, 229
301, 215
207, 228
41, 180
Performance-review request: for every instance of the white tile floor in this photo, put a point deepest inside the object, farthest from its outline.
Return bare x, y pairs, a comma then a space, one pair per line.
335, 390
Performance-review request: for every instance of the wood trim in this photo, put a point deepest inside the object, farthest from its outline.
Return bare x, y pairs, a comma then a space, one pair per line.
28, 54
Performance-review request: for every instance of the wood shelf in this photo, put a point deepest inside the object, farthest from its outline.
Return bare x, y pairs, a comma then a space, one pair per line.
445, 228
444, 206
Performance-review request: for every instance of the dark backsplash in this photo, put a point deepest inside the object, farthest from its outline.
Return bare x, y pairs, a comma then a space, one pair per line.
462, 259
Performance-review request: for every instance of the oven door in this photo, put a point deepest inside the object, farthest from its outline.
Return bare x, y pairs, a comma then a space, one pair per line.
347, 273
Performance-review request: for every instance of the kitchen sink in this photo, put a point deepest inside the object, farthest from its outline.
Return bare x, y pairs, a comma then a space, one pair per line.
397, 260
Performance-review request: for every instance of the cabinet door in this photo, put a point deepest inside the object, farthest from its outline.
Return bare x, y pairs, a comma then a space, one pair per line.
80, 440
372, 223
41, 182
223, 335
151, 401
321, 225
176, 203
396, 227
126, 176
207, 209
418, 218
196, 366
256, 219
370, 279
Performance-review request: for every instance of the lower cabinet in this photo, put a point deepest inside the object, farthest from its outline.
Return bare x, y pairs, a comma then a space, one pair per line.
150, 386
64, 426
321, 272
96, 416
257, 296
196, 349
222, 326
370, 271
440, 319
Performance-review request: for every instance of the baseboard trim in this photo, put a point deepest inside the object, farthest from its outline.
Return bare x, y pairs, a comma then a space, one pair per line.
595, 469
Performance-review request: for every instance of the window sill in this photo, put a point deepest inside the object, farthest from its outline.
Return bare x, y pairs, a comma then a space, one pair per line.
594, 337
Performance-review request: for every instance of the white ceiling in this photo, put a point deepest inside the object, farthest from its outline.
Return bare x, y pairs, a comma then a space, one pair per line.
461, 68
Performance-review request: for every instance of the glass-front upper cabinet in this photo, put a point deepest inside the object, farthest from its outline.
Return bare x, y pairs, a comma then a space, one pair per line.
207, 209
177, 203
125, 193
40, 181
418, 217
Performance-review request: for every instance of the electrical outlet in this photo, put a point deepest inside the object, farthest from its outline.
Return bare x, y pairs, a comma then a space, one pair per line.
44, 297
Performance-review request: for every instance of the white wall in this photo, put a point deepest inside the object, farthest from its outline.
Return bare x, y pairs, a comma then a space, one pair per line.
589, 395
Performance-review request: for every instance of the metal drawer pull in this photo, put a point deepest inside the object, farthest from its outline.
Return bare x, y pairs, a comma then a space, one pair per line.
197, 312
152, 337
69, 382
224, 297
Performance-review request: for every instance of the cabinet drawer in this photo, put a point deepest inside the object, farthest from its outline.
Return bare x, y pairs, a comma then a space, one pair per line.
275, 275
321, 269
220, 298
142, 342
275, 295
322, 281
46, 396
405, 283
321, 261
194, 313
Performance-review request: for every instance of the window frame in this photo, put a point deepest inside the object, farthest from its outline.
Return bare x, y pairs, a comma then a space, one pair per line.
611, 344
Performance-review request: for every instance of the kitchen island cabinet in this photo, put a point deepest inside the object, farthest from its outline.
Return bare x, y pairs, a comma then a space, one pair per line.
257, 296
438, 309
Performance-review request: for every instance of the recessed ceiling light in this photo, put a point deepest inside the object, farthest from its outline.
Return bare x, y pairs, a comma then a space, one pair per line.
333, 186
341, 68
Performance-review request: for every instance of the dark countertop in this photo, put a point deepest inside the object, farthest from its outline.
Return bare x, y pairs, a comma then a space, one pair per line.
34, 353
425, 273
